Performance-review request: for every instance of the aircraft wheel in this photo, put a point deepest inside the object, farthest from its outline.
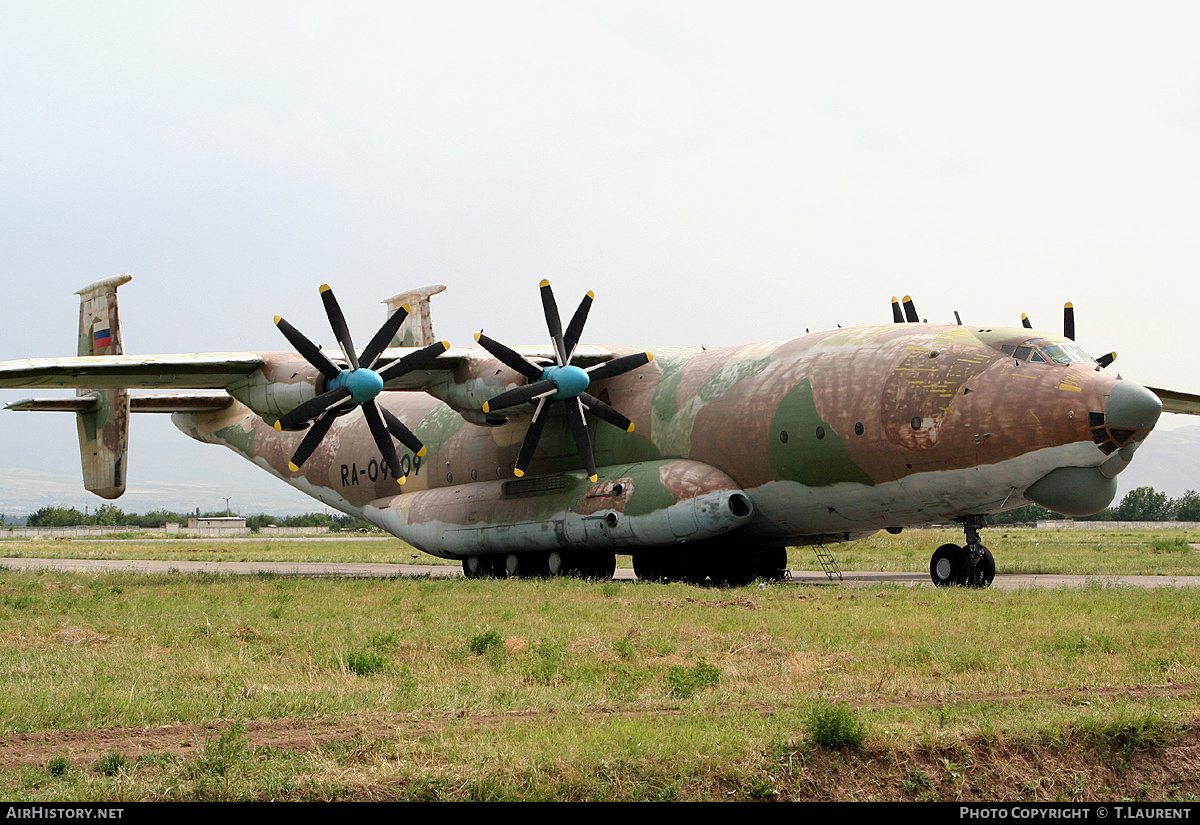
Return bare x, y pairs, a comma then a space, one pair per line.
733, 566
646, 567
595, 565
658, 565
478, 567
558, 563
526, 565
772, 563
950, 566
984, 572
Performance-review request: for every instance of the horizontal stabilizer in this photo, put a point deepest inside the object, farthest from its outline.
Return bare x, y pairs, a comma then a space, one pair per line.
177, 402
196, 371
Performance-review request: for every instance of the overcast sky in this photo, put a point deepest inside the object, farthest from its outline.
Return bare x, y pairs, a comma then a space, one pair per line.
717, 173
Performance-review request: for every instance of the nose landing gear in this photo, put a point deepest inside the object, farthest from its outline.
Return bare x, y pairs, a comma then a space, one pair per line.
969, 566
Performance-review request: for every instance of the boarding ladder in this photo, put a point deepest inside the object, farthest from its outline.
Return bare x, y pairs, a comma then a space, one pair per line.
828, 563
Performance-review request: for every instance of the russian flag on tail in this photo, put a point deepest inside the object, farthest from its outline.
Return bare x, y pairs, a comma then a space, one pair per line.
101, 338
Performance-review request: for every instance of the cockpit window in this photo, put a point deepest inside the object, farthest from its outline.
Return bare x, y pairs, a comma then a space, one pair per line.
1067, 354
1052, 353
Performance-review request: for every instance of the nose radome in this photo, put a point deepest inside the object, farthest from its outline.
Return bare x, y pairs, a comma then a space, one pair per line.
1131, 406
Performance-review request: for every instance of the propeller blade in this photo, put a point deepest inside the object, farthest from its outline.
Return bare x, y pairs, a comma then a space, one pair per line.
582, 443
384, 337
310, 441
618, 366
312, 408
910, 310
1069, 321
509, 358
402, 433
310, 351
575, 328
520, 395
383, 440
532, 436
554, 323
1025, 321
605, 413
1106, 359
897, 314
414, 360
338, 322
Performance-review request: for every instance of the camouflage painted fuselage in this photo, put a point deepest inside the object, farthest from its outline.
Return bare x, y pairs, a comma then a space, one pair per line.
818, 438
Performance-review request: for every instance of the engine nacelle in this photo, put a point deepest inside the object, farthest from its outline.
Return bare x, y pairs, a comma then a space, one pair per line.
284, 382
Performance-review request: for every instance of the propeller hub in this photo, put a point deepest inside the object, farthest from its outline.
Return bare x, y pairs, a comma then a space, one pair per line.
571, 381
364, 384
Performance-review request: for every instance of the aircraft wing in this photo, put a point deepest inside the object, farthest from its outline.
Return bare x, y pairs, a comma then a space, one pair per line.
217, 370
466, 357
1177, 402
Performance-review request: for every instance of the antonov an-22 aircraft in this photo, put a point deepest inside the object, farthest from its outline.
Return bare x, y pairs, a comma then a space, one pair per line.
704, 464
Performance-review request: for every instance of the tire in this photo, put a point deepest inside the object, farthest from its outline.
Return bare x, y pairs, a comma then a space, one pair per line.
598, 565
950, 566
737, 567
658, 565
530, 565
476, 567
772, 564
984, 571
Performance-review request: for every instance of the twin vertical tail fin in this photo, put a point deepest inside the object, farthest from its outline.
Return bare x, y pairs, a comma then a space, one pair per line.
104, 420
417, 329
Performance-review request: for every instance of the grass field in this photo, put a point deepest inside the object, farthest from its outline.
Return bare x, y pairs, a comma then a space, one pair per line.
126, 686
1017, 550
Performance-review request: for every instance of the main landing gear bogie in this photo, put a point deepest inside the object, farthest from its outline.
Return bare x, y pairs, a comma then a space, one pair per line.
972, 565
535, 565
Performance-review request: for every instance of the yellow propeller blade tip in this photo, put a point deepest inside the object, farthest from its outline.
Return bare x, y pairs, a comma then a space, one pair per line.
591, 295
407, 309
649, 356
446, 345
324, 287
476, 337
293, 467
1024, 317
485, 407
421, 452
593, 479
544, 283
1068, 305
518, 472
278, 427
895, 300
907, 298
630, 427
278, 318
401, 480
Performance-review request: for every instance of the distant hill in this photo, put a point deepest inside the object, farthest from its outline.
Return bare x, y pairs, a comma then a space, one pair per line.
1168, 461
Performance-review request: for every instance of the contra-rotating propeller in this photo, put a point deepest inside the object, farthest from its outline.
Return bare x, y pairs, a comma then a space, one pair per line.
560, 382
357, 386
1069, 331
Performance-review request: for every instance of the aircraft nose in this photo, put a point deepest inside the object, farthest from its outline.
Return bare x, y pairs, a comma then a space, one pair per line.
1131, 406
